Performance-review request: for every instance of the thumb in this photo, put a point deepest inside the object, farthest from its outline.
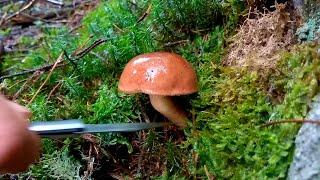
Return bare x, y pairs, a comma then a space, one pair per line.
23, 111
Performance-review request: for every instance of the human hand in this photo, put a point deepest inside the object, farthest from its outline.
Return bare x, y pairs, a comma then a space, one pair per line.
19, 147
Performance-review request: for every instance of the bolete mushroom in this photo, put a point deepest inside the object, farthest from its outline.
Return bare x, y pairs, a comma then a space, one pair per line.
161, 75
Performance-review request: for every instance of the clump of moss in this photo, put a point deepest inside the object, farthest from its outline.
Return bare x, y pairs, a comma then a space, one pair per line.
226, 137
180, 20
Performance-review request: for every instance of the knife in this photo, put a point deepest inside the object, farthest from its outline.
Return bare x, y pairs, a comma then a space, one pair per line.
64, 128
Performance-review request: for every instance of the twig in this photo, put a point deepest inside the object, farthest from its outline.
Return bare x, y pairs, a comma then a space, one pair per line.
54, 89
118, 28
16, 83
43, 16
133, 3
2, 51
88, 49
48, 67
143, 112
3, 17
145, 14
16, 95
55, 2
43, 68
81, 46
290, 121
90, 164
59, 59
5, 2
209, 176
13, 51
141, 154
175, 43
75, 28
69, 59
30, 4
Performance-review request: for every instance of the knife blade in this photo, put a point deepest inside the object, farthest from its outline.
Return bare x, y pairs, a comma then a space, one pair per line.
63, 128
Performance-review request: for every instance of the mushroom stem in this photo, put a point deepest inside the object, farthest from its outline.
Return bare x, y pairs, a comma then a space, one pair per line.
166, 106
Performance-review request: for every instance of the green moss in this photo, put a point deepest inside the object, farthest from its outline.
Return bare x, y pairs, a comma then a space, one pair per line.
113, 107
235, 102
176, 20
224, 138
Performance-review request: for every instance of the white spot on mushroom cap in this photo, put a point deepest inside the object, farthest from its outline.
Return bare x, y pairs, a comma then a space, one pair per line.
153, 72
134, 71
141, 60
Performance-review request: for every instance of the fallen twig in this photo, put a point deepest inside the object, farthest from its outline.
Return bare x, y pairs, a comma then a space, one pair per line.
90, 164
55, 2
75, 28
145, 14
53, 89
48, 67
118, 28
25, 18
2, 52
290, 121
19, 17
3, 17
209, 176
81, 46
30, 4
16, 95
43, 68
88, 49
59, 59
69, 59
175, 43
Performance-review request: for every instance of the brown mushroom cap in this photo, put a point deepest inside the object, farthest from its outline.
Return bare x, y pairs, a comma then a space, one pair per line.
158, 73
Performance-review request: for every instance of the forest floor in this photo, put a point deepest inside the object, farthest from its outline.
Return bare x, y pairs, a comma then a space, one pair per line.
255, 65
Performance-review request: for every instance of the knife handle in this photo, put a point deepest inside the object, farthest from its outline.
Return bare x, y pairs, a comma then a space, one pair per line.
57, 128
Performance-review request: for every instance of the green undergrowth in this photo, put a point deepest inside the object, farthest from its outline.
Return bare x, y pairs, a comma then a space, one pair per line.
235, 102
224, 138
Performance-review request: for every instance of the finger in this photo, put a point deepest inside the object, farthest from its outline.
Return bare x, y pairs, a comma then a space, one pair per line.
23, 111
20, 153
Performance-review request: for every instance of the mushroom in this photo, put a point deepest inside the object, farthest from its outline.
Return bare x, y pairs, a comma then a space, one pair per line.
161, 75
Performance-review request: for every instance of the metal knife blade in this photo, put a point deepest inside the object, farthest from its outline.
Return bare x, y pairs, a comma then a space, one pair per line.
62, 128
121, 127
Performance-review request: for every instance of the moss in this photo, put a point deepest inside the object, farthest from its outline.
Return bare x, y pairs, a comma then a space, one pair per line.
58, 165
224, 138
232, 105
113, 107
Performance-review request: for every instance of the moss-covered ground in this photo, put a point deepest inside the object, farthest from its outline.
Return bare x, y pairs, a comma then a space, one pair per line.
224, 138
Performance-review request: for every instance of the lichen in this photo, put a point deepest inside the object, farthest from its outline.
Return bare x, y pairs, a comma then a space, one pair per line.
310, 30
